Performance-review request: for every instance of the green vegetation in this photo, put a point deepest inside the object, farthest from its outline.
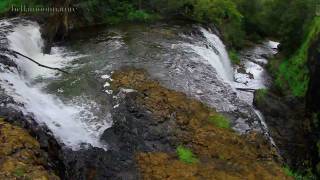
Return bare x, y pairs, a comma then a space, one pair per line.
220, 121
113, 12
5, 5
260, 94
234, 56
19, 172
293, 72
139, 15
290, 173
298, 176
223, 13
186, 155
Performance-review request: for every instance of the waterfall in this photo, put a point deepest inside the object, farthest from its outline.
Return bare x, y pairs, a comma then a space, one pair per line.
215, 54
215, 41
68, 122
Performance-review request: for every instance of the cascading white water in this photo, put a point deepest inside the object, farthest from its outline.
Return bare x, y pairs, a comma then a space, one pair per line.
68, 122
27, 40
216, 42
217, 57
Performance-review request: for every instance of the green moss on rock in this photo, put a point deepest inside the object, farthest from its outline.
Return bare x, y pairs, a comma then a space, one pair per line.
220, 121
293, 72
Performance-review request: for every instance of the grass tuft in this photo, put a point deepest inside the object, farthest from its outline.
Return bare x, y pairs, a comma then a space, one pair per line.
186, 155
220, 121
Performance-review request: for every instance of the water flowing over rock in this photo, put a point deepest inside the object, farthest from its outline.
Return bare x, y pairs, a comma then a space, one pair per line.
72, 114
65, 121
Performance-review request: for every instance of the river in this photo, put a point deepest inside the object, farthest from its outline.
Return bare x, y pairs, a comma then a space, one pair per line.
76, 106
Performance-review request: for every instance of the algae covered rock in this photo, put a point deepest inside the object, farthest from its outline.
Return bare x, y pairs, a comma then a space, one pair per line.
20, 155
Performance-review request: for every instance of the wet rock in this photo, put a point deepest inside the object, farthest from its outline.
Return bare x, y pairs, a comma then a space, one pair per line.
285, 118
95, 163
4, 60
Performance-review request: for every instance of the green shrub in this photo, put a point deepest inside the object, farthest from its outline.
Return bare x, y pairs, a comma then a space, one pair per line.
234, 56
220, 121
186, 155
290, 173
293, 72
260, 94
225, 15
139, 15
5, 5
297, 176
222, 13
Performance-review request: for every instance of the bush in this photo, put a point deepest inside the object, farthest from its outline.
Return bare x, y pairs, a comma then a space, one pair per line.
222, 13
234, 56
260, 95
288, 20
293, 72
225, 15
140, 15
220, 121
297, 176
186, 155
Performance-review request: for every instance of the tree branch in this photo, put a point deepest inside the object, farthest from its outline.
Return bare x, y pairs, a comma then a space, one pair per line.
41, 65
246, 89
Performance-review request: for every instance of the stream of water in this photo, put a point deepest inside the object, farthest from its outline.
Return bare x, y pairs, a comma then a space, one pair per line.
68, 121
76, 107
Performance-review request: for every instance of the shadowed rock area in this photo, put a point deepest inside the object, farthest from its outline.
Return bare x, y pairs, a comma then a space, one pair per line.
287, 125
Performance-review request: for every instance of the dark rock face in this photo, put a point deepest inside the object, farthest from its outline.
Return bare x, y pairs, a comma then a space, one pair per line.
313, 99
313, 94
285, 118
136, 130
95, 163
